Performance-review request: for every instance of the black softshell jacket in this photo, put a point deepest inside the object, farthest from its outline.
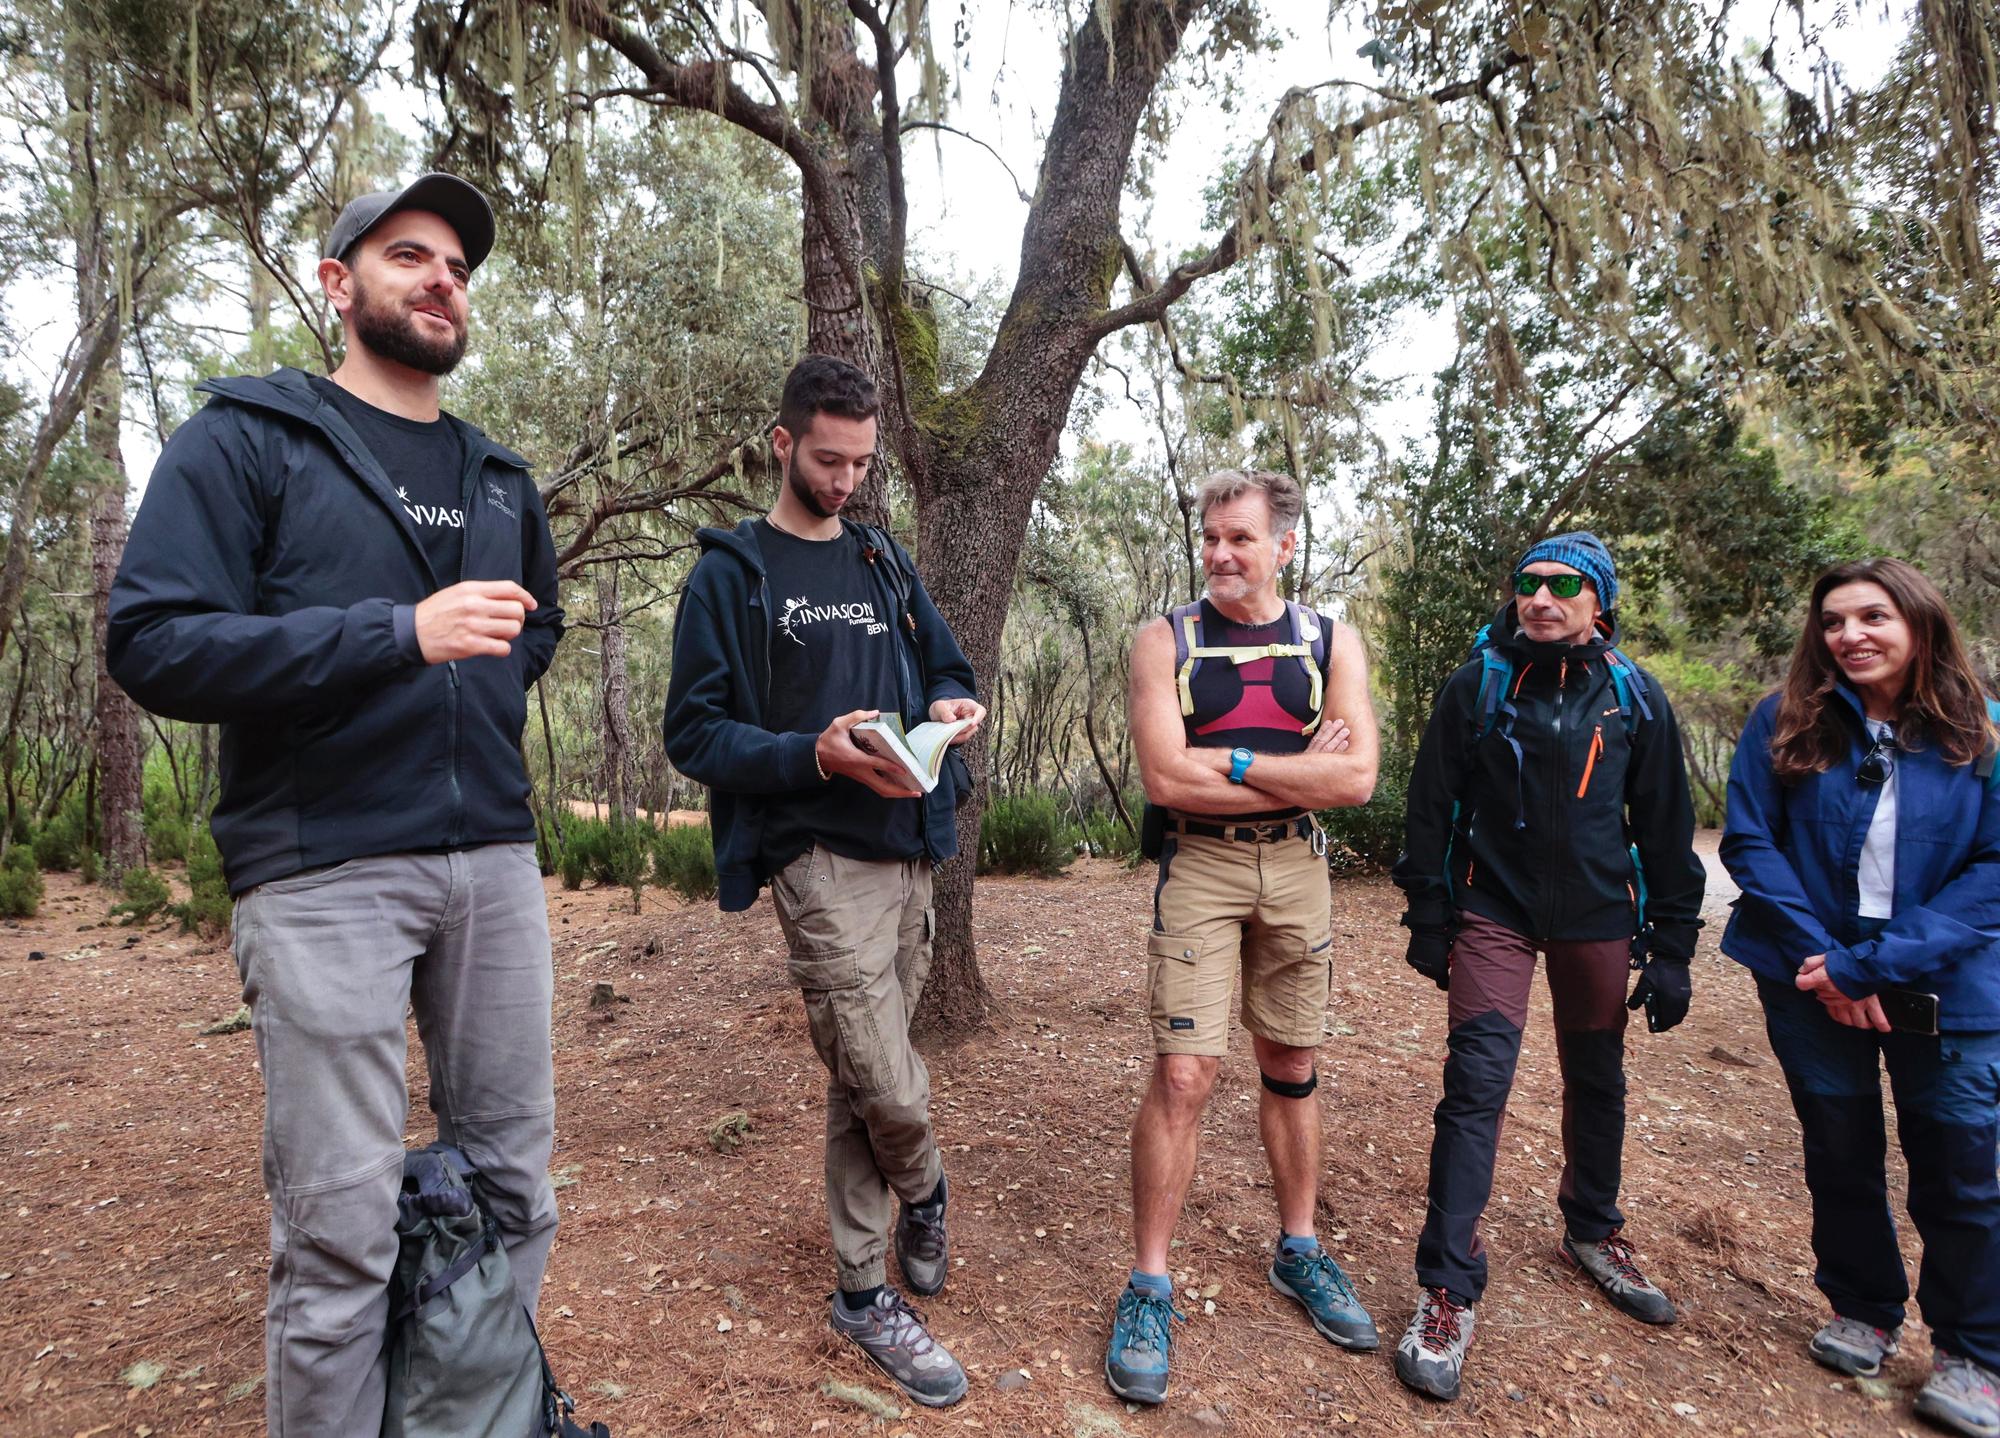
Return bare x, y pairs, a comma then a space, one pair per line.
269, 586
1542, 846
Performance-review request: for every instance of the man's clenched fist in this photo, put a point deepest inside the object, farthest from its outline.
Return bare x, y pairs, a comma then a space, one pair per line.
471, 618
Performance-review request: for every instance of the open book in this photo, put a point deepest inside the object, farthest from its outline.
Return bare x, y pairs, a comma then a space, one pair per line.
921, 750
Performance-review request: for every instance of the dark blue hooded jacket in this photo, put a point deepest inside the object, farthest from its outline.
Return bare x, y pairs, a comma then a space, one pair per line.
269, 585
721, 682
1795, 851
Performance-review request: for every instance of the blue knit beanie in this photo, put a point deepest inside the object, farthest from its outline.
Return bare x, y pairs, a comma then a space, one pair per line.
1585, 553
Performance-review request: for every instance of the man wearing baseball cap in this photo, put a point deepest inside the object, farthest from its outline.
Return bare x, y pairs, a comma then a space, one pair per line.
1548, 813
359, 588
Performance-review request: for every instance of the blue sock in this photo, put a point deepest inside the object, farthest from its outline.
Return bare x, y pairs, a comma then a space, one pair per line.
1152, 1285
1296, 1246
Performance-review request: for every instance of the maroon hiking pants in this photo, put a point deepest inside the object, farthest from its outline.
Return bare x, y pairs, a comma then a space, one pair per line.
1492, 969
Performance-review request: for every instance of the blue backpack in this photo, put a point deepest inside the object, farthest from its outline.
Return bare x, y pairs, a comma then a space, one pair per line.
1986, 767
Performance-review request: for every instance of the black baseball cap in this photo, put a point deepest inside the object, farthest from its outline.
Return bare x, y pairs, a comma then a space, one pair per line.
446, 196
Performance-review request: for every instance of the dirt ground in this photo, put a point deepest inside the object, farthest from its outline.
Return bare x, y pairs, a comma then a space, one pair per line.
687, 1289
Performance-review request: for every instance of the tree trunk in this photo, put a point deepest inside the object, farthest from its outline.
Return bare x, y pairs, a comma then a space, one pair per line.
86, 359
978, 457
120, 763
204, 772
614, 698
263, 303
969, 553
10, 753
835, 242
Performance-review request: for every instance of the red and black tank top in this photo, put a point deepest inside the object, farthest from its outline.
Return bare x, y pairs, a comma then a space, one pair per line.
1261, 705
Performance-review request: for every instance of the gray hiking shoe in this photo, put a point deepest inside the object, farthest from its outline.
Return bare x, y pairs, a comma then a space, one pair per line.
1847, 1345
1960, 1396
1608, 1263
923, 1248
893, 1336
1432, 1351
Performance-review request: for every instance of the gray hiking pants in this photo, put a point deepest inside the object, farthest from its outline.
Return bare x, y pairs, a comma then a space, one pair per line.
331, 961
860, 939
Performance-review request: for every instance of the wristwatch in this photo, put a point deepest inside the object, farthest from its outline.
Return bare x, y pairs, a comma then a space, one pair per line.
1239, 764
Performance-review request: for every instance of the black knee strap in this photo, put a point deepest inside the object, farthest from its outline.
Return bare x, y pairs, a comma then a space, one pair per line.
1291, 1090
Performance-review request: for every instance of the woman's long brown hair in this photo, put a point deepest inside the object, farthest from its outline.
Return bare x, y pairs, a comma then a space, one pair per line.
1944, 704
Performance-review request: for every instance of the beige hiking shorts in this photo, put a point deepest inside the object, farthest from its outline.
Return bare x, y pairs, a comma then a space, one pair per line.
1223, 906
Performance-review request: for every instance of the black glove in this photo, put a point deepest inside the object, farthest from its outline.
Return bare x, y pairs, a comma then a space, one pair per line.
1430, 951
1665, 989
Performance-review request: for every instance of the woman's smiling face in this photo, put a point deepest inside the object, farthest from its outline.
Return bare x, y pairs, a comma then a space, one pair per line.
1867, 636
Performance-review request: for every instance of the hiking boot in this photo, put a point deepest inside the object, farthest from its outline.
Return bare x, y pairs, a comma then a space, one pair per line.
923, 1249
1432, 1351
1847, 1345
1316, 1281
1960, 1396
1609, 1264
893, 1336
1135, 1363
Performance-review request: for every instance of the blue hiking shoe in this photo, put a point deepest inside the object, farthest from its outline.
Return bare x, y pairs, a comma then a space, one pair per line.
1316, 1281
1135, 1365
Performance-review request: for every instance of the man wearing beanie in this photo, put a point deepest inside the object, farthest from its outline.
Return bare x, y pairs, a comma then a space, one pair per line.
1549, 813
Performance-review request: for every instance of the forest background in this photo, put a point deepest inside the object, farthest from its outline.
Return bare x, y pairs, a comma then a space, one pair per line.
1713, 283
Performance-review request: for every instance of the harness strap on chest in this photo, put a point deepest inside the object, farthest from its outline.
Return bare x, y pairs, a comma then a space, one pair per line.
1190, 651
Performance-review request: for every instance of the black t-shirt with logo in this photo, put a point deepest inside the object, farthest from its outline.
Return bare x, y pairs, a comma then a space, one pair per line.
425, 461
831, 653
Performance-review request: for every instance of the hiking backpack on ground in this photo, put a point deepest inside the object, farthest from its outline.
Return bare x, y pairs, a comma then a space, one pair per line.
463, 1355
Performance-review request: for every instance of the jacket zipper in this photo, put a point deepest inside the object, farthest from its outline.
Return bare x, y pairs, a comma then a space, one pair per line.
451, 731
1555, 796
1590, 763
475, 465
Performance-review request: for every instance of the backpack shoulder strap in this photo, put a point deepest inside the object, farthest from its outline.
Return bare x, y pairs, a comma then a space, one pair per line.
1309, 632
1628, 681
1495, 672
1986, 767
1185, 621
902, 577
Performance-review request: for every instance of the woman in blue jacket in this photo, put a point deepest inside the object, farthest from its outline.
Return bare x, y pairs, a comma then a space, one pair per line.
1864, 832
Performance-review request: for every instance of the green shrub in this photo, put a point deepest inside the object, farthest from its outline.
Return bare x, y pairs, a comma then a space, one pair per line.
1026, 834
1104, 834
583, 850
208, 905
59, 845
628, 856
684, 861
1370, 837
20, 884
146, 893
548, 843
165, 822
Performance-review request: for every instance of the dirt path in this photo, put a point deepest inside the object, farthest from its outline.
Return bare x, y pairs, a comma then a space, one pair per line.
687, 1287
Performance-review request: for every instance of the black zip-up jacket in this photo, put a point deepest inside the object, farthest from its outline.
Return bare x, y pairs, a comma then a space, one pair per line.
269, 585
1537, 847
721, 683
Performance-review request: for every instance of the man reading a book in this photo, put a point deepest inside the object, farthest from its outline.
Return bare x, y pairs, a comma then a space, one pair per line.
793, 629
1236, 712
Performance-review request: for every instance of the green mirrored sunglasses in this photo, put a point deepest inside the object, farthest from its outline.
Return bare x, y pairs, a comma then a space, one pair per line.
1563, 586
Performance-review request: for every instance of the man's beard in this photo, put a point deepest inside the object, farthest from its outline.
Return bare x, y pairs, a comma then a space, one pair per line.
389, 331
802, 492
